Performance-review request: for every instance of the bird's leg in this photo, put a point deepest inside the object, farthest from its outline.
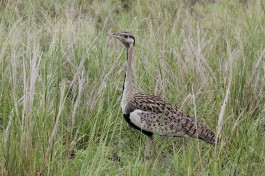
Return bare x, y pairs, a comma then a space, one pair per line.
149, 141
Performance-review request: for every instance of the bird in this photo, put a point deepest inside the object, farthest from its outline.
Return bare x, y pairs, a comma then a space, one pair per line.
151, 114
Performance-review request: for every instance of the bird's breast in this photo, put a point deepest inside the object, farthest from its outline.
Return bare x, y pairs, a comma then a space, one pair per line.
123, 105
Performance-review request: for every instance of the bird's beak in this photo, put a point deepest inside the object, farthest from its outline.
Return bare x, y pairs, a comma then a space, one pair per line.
116, 35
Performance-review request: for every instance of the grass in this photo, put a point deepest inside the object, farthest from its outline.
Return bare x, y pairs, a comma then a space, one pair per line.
61, 83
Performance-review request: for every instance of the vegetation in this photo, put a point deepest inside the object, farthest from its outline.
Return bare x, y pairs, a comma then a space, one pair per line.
61, 81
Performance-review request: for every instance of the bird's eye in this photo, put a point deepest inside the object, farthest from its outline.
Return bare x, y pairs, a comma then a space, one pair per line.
126, 36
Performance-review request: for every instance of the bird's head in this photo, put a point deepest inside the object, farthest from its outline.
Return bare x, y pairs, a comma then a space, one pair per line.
125, 37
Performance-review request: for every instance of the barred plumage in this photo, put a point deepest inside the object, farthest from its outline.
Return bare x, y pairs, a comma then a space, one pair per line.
158, 116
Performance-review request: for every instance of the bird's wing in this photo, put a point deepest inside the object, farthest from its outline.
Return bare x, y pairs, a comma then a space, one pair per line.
153, 114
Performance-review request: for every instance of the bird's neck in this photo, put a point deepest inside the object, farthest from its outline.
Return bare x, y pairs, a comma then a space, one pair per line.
128, 85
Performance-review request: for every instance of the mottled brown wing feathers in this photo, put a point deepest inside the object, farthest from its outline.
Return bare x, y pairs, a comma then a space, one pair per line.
146, 102
165, 119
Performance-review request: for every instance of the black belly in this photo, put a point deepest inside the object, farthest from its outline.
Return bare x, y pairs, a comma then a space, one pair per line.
128, 120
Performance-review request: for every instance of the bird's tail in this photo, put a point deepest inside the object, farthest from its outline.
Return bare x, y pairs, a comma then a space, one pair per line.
197, 129
204, 133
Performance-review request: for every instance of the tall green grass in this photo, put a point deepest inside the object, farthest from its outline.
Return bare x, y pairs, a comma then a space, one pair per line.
61, 83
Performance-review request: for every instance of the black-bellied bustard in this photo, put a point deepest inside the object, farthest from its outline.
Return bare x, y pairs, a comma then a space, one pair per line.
151, 114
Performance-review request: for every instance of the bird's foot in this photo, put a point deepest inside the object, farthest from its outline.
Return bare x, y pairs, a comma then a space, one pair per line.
148, 157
